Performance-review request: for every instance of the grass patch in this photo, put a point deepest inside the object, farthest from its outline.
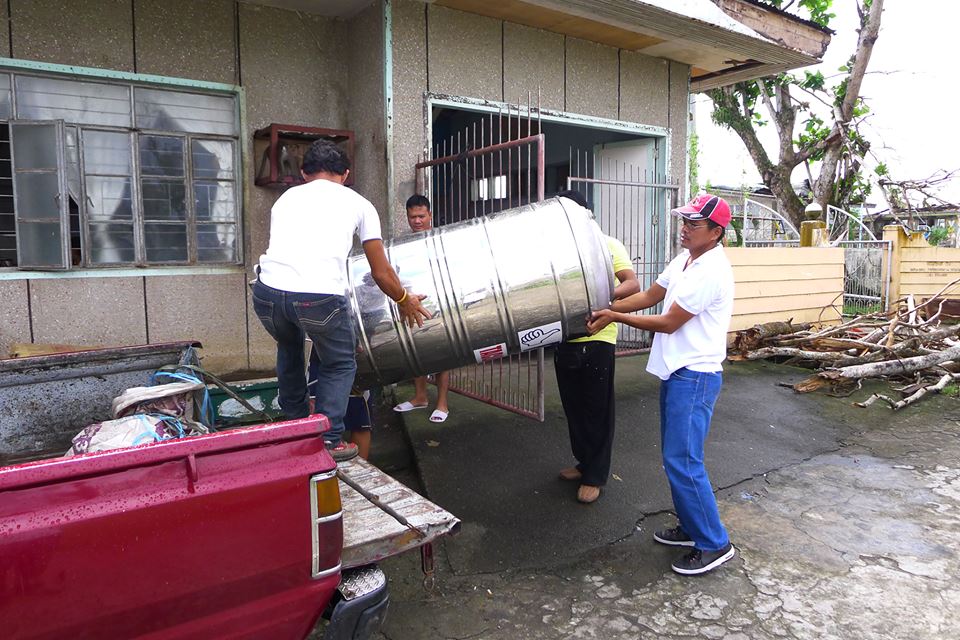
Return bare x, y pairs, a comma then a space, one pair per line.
851, 309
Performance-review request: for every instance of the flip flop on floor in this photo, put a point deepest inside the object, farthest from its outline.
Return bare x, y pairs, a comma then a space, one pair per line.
403, 407
438, 416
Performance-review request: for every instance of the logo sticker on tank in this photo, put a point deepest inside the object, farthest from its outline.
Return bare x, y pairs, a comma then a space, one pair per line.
540, 336
493, 352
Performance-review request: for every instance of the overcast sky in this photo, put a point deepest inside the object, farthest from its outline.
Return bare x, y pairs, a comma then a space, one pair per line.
912, 92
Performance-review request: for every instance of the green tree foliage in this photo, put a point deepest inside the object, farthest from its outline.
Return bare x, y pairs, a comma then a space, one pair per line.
816, 120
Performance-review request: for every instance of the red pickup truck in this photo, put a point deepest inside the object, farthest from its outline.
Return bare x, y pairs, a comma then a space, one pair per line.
235, 534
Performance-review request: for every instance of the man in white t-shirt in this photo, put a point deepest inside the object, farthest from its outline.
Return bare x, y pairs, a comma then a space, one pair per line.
302, 284
689, 345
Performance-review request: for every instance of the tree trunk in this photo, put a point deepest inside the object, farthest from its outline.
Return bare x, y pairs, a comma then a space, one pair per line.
824, 189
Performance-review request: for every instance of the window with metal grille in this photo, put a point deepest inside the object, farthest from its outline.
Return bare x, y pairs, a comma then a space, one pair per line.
102, 173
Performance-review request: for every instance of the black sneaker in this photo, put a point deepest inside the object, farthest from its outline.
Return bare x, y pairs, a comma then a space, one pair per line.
675, 537
343, 451
697, 561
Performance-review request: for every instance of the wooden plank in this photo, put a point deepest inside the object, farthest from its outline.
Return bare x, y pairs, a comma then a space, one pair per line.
779, 288
787, 303
369, 533
784, 255
543, 18
778, 27
26, 349
768, 273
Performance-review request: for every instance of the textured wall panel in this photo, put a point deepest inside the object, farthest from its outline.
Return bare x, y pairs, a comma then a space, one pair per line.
208, 308
280, 67
409, 85
465, 54
88, 33
679, 115
644, 89
187, 39
292, 67
5, 35
533, 58
365, 112
592, 78
89, 311
14, 315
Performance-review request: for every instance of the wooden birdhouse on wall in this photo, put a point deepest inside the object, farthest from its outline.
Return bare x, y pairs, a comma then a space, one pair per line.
280, 148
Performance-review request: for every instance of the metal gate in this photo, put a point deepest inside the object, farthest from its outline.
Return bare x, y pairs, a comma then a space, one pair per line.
761, 226
632, 204
497, 163
866, 276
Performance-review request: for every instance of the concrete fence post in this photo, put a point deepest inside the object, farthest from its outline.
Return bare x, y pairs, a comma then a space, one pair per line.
894, 234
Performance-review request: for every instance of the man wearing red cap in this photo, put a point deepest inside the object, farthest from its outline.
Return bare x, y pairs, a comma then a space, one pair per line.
689, 345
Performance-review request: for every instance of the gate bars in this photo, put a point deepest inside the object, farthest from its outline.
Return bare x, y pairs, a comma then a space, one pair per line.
632, 205
484, 169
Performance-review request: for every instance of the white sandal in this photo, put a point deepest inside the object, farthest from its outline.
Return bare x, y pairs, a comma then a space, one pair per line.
438, 416
403, 407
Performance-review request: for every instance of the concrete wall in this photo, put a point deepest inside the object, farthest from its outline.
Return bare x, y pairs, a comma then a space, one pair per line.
920, 269
298, 68
14, 314
782, 283
291, 66
365, 108
444, 51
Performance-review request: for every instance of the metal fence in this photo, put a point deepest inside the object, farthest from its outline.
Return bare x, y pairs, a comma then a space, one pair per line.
866, 276
496, 163
631, 204
760, 226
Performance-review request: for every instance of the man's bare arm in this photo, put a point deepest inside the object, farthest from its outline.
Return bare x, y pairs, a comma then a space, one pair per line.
668, 322
642, 300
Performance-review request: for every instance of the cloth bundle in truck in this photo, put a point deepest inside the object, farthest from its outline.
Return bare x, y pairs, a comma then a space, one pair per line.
145, 414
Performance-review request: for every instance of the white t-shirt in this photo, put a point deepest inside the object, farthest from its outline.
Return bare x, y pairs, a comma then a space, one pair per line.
705, 289
311, 234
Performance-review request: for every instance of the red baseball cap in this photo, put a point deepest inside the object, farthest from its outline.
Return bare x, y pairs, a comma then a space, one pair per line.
706, 207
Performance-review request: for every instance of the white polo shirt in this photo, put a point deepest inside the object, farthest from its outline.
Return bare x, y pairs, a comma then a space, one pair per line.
311, 234
705, 289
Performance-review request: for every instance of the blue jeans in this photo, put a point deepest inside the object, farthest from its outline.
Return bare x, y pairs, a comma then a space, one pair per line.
326, 318
686, 406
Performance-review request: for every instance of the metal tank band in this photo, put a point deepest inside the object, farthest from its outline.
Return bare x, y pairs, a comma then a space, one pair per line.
509, 282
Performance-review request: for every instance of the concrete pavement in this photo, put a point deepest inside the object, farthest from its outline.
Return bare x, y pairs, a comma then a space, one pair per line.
846, 520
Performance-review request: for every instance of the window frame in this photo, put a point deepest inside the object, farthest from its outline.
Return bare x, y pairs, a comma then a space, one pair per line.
60, 198
14, 68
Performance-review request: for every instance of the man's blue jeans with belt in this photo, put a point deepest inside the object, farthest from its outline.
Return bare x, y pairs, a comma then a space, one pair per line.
686, 406
326, 318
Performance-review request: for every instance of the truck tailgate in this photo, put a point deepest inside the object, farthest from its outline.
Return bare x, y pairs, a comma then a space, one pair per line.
370, 533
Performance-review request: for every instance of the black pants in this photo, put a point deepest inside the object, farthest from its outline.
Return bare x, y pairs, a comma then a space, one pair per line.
585, 378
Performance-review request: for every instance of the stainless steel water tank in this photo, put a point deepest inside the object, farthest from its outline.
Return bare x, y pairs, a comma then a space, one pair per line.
505, 283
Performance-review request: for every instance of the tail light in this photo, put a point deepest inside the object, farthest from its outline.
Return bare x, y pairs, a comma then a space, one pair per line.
325, 506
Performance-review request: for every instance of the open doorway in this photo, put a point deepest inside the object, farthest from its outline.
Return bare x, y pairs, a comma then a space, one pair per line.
506, 178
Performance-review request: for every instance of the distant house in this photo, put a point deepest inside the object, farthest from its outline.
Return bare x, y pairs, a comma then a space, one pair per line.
131, 211
922, 220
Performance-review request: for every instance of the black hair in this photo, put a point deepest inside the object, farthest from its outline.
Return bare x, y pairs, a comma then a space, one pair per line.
417, 200
574, 195
324, 156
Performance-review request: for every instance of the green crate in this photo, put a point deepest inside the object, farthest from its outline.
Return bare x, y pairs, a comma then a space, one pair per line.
262, 394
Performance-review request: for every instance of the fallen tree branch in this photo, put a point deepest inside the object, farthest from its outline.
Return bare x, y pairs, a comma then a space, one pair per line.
906, 402
894, 367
